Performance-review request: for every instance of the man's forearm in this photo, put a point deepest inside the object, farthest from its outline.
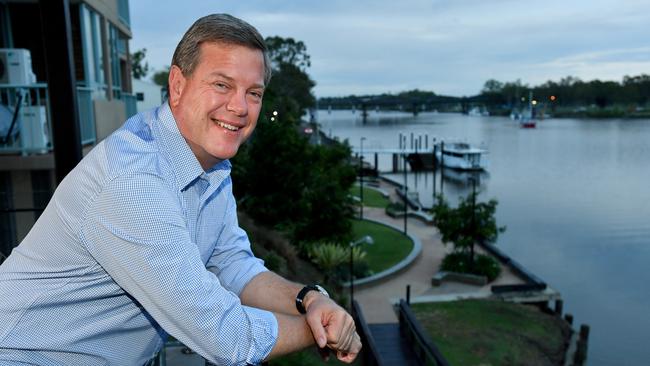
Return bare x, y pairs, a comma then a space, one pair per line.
271, 292
293, 335
325, 322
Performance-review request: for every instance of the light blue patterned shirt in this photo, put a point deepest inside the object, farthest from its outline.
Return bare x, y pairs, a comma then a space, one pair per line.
137, 242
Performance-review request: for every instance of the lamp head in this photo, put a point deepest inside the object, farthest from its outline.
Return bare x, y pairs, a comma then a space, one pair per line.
364, 240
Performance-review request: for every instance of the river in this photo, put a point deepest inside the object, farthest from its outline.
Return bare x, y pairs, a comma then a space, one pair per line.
574, 196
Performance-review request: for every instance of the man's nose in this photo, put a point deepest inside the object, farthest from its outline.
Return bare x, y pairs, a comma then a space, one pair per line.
237, 104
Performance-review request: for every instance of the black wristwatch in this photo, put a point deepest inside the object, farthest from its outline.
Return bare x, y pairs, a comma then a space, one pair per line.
301, 296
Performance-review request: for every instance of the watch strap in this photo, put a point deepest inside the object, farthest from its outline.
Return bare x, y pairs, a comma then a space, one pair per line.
303, 292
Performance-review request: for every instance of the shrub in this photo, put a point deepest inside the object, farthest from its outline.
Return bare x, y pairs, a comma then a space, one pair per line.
332, 259
484, 265
269, 239
274, 262
394, 208
328, 256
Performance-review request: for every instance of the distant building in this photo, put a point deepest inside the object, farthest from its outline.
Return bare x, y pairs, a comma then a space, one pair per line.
100, 38
147, 94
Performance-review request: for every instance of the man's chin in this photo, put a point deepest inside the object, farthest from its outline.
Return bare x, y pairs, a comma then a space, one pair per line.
225, 155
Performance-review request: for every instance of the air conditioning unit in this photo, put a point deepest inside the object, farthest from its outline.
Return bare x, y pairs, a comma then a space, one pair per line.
34, 132
16, 67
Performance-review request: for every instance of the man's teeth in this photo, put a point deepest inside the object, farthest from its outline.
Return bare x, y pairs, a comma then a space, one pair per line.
227, 126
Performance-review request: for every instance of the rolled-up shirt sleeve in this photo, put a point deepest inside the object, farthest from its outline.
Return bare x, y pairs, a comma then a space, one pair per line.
136, 232
232, 260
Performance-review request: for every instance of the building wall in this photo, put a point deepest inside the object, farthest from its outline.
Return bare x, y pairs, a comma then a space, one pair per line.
110, 9
150, 92
27, 181
109, 116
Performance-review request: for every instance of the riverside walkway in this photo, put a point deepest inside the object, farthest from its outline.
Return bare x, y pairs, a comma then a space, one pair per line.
377, 298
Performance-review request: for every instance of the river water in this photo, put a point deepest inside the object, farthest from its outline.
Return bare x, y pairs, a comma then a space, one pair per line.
574, 196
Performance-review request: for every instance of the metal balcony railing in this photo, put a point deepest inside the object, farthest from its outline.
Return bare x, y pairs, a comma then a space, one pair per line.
25, 118
86, 115
130, 101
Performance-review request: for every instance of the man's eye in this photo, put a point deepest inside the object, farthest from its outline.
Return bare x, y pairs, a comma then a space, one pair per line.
221, 85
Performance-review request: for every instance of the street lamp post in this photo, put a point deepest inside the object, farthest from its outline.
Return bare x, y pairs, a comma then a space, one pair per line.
361, 179
365, 240
406, 190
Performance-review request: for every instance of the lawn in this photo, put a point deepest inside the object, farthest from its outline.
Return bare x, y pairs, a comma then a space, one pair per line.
371, 197
490, 332
390, 246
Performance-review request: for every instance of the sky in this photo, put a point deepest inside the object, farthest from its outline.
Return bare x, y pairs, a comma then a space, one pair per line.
450, 47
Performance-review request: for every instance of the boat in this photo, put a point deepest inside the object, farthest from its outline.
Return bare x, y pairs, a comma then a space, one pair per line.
527, 118
478, 112
527, 122
464, 178
461, 155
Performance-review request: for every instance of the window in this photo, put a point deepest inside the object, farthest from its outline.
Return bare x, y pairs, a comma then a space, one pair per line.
91, 45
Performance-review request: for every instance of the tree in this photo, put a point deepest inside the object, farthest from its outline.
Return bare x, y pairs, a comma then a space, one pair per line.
284, 181
161, 77
139, 68
492, 86
470, 223
291, 84
290, 81
288, 51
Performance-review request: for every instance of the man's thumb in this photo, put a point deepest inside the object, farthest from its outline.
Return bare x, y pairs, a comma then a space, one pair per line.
317, 330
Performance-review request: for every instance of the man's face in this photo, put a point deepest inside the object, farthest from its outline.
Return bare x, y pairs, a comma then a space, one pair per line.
217, 106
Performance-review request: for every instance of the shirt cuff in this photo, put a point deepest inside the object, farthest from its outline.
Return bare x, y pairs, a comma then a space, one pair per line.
265, 333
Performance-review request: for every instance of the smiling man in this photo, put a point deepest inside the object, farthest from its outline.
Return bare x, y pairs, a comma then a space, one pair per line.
141, 239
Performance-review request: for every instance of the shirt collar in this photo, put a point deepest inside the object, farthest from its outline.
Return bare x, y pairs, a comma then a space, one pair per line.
217, 175
186, 167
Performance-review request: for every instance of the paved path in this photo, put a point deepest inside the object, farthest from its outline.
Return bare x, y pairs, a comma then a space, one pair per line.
376, 298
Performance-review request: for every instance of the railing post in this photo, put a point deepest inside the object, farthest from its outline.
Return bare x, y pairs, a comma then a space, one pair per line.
408, 294
559, 305
55, 18
569, 318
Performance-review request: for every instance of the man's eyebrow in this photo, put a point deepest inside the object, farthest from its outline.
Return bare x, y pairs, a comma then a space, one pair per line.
231, 79
220, 74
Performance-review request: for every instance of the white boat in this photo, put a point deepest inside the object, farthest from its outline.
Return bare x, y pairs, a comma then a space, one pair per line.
461, 155
478, 111
527, 118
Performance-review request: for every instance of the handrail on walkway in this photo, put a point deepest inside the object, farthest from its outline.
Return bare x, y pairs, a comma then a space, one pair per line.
370, 352
425, 350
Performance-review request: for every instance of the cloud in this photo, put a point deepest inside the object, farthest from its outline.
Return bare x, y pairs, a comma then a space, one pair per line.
450, 47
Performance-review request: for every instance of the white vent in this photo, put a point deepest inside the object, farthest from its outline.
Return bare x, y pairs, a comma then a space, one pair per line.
16, 67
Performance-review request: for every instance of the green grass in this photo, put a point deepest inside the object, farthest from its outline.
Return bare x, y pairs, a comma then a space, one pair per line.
371, 197
390, 246
489, 332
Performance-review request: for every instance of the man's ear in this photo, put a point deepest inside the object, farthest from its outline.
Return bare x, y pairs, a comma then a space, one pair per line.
176, 85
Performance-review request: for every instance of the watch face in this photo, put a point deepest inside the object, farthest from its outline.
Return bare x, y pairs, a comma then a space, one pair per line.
322, 290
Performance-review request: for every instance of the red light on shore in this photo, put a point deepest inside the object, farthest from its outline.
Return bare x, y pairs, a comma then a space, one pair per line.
552, 98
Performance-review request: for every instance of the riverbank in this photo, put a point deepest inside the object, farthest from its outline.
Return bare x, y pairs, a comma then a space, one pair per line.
510, 293
572, 194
